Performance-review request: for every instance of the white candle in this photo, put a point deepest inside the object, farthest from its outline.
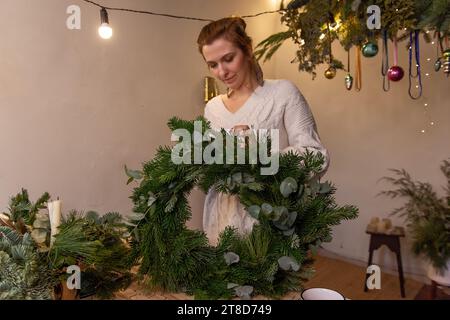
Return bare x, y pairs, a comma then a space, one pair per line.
55, 218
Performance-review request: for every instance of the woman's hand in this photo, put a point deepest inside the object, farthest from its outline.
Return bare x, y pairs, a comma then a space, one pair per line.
240, 128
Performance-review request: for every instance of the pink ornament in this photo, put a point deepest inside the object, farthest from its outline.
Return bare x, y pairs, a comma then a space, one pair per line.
395, 73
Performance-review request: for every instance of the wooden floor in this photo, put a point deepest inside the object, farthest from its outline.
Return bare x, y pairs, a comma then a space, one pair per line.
334, 274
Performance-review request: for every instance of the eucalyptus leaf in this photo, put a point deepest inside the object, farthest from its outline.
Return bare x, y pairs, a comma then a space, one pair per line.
237, 177
325, 188
289, 232
254, 211
278, 212
231, 285
171, 204
266, 209
151, 199
315, 187
243, 292
287, 264
288, 186
136, 216
301, 189
231, 257
248, 178
255, 186
134, 174
291, 218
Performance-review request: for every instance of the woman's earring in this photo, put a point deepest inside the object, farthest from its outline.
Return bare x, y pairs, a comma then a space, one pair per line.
229, 92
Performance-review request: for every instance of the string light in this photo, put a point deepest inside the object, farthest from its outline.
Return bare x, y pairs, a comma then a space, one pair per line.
172, 15
105, 31
429, 121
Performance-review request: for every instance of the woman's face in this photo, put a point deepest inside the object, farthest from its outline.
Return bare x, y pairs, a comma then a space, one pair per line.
227, 62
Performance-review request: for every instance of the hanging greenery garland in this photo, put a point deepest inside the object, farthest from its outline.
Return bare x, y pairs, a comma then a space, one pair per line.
295, 212
306, 26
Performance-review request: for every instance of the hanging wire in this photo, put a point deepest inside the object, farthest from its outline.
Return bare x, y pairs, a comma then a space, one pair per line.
171, 15
358, 72
414, 42
385, 62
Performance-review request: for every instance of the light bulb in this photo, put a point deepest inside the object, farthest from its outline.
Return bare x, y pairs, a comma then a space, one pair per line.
105, 31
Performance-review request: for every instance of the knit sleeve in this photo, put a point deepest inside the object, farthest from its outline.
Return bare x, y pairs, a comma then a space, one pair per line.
300, 125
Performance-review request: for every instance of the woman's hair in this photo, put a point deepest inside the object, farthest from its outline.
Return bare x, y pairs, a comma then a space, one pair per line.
233, 30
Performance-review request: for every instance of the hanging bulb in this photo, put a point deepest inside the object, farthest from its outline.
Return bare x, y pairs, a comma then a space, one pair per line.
105, 31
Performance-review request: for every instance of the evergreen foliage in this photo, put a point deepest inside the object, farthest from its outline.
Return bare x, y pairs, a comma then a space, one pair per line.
315, 24
427, 215
295, 212
31, 269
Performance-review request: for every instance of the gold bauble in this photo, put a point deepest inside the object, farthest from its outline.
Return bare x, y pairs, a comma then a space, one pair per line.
330, 73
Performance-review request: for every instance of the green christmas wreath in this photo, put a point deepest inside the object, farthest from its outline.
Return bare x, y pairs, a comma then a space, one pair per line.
295, 212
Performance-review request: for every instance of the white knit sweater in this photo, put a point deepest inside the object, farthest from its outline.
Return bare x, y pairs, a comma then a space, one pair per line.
278, 104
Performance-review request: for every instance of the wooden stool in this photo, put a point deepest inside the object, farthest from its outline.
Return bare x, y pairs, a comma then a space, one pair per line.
392, 241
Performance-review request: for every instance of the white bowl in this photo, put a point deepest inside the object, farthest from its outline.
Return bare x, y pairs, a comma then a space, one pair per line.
321, 294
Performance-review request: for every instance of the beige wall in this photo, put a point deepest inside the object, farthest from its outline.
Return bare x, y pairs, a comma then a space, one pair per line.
74, 109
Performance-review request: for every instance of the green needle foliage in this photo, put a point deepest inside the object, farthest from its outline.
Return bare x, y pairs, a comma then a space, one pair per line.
427, 215
313, 25
295, 212
30, 269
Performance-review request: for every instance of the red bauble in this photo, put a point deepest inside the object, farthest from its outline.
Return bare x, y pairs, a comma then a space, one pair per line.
395, 73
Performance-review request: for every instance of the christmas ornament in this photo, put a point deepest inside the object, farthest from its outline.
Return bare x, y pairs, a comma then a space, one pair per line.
446, 57
348, 82
348, 77
414, 43
437, 65
395, 73
330, 73
370, 49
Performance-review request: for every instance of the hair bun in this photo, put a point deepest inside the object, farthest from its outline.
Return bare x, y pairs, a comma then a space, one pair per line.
240, 22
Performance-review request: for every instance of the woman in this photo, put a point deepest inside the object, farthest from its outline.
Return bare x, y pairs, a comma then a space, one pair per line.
252, 102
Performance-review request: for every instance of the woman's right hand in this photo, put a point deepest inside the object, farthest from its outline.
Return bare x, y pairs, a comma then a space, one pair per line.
240, 128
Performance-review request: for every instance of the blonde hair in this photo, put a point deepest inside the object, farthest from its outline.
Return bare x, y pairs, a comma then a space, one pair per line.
233, 30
